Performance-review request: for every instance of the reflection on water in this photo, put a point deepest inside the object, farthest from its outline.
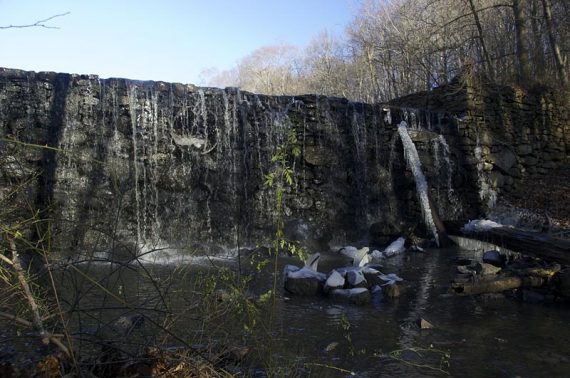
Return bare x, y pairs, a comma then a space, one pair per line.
500, 338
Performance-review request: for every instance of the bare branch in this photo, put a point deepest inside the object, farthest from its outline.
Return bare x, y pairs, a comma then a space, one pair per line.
37, 24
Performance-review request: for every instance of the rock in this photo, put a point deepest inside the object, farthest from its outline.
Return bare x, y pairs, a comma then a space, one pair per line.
355, 278
312, 236
126, 324
376, 255
359, 257
389, 279
463, 269
504, 160
372, 276
424, 324
334, 281
484, 269
494, 258
524, 149
392, 291
396, 247
356, 295
331, 346
236, 353
304, 282
317, 155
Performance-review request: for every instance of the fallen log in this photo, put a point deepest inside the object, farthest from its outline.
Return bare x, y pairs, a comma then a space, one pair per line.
535, 244
497, 285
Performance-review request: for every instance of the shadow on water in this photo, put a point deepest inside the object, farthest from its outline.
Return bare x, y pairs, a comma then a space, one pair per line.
481, 338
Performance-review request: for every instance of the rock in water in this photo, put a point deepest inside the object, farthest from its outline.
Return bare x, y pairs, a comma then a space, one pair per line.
392, 291
484, 269
332, 346
304, 282
126, 324
361, 257
349, 251
355, 278
356, 295
397, 246
313, 261
334, 281
494, 258
424, 324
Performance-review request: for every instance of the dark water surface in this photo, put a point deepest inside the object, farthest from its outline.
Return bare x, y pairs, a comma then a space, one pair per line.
482, 338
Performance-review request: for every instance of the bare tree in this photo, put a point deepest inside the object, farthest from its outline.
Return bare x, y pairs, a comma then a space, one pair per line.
560, 61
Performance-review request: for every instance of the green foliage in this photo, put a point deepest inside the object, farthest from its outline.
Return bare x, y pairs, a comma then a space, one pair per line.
281, 177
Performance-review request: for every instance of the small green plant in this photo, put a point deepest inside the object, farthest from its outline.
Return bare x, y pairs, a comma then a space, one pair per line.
345, 326
280, 178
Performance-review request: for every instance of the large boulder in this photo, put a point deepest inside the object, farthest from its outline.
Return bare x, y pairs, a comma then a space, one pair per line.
304, 282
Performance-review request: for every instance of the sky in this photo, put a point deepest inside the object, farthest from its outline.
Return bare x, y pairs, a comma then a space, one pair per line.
164, 40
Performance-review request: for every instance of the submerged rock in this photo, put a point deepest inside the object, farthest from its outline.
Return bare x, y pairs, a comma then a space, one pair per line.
355, 295
392, 291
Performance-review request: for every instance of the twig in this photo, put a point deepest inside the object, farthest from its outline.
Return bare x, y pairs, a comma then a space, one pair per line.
37, 320
18, 320
330, 367
6, 260
38, 24
26, 323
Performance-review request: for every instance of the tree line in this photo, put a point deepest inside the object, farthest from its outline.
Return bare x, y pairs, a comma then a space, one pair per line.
395, 47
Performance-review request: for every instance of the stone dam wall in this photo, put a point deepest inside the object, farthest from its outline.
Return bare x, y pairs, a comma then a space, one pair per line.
110, 161
503, 134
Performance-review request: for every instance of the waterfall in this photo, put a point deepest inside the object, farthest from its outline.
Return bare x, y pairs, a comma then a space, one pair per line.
444, 165
487, 192
413, 161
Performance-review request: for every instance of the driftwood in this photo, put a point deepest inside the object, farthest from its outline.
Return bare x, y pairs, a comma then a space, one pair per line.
496, 285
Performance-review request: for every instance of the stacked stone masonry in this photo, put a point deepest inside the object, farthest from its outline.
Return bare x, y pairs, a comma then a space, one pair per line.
109, 160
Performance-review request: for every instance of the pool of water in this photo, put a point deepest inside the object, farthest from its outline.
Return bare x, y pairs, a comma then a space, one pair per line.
472, 336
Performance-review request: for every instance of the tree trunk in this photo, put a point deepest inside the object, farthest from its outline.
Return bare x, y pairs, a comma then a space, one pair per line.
522, 48
538, 48
560, 62
489, 67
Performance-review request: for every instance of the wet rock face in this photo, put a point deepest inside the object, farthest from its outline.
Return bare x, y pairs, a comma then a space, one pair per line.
164, 163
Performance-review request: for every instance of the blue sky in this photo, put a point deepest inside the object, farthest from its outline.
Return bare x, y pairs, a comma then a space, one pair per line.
158, 40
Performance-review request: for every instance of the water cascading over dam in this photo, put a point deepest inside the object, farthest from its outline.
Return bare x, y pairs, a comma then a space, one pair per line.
167, 164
